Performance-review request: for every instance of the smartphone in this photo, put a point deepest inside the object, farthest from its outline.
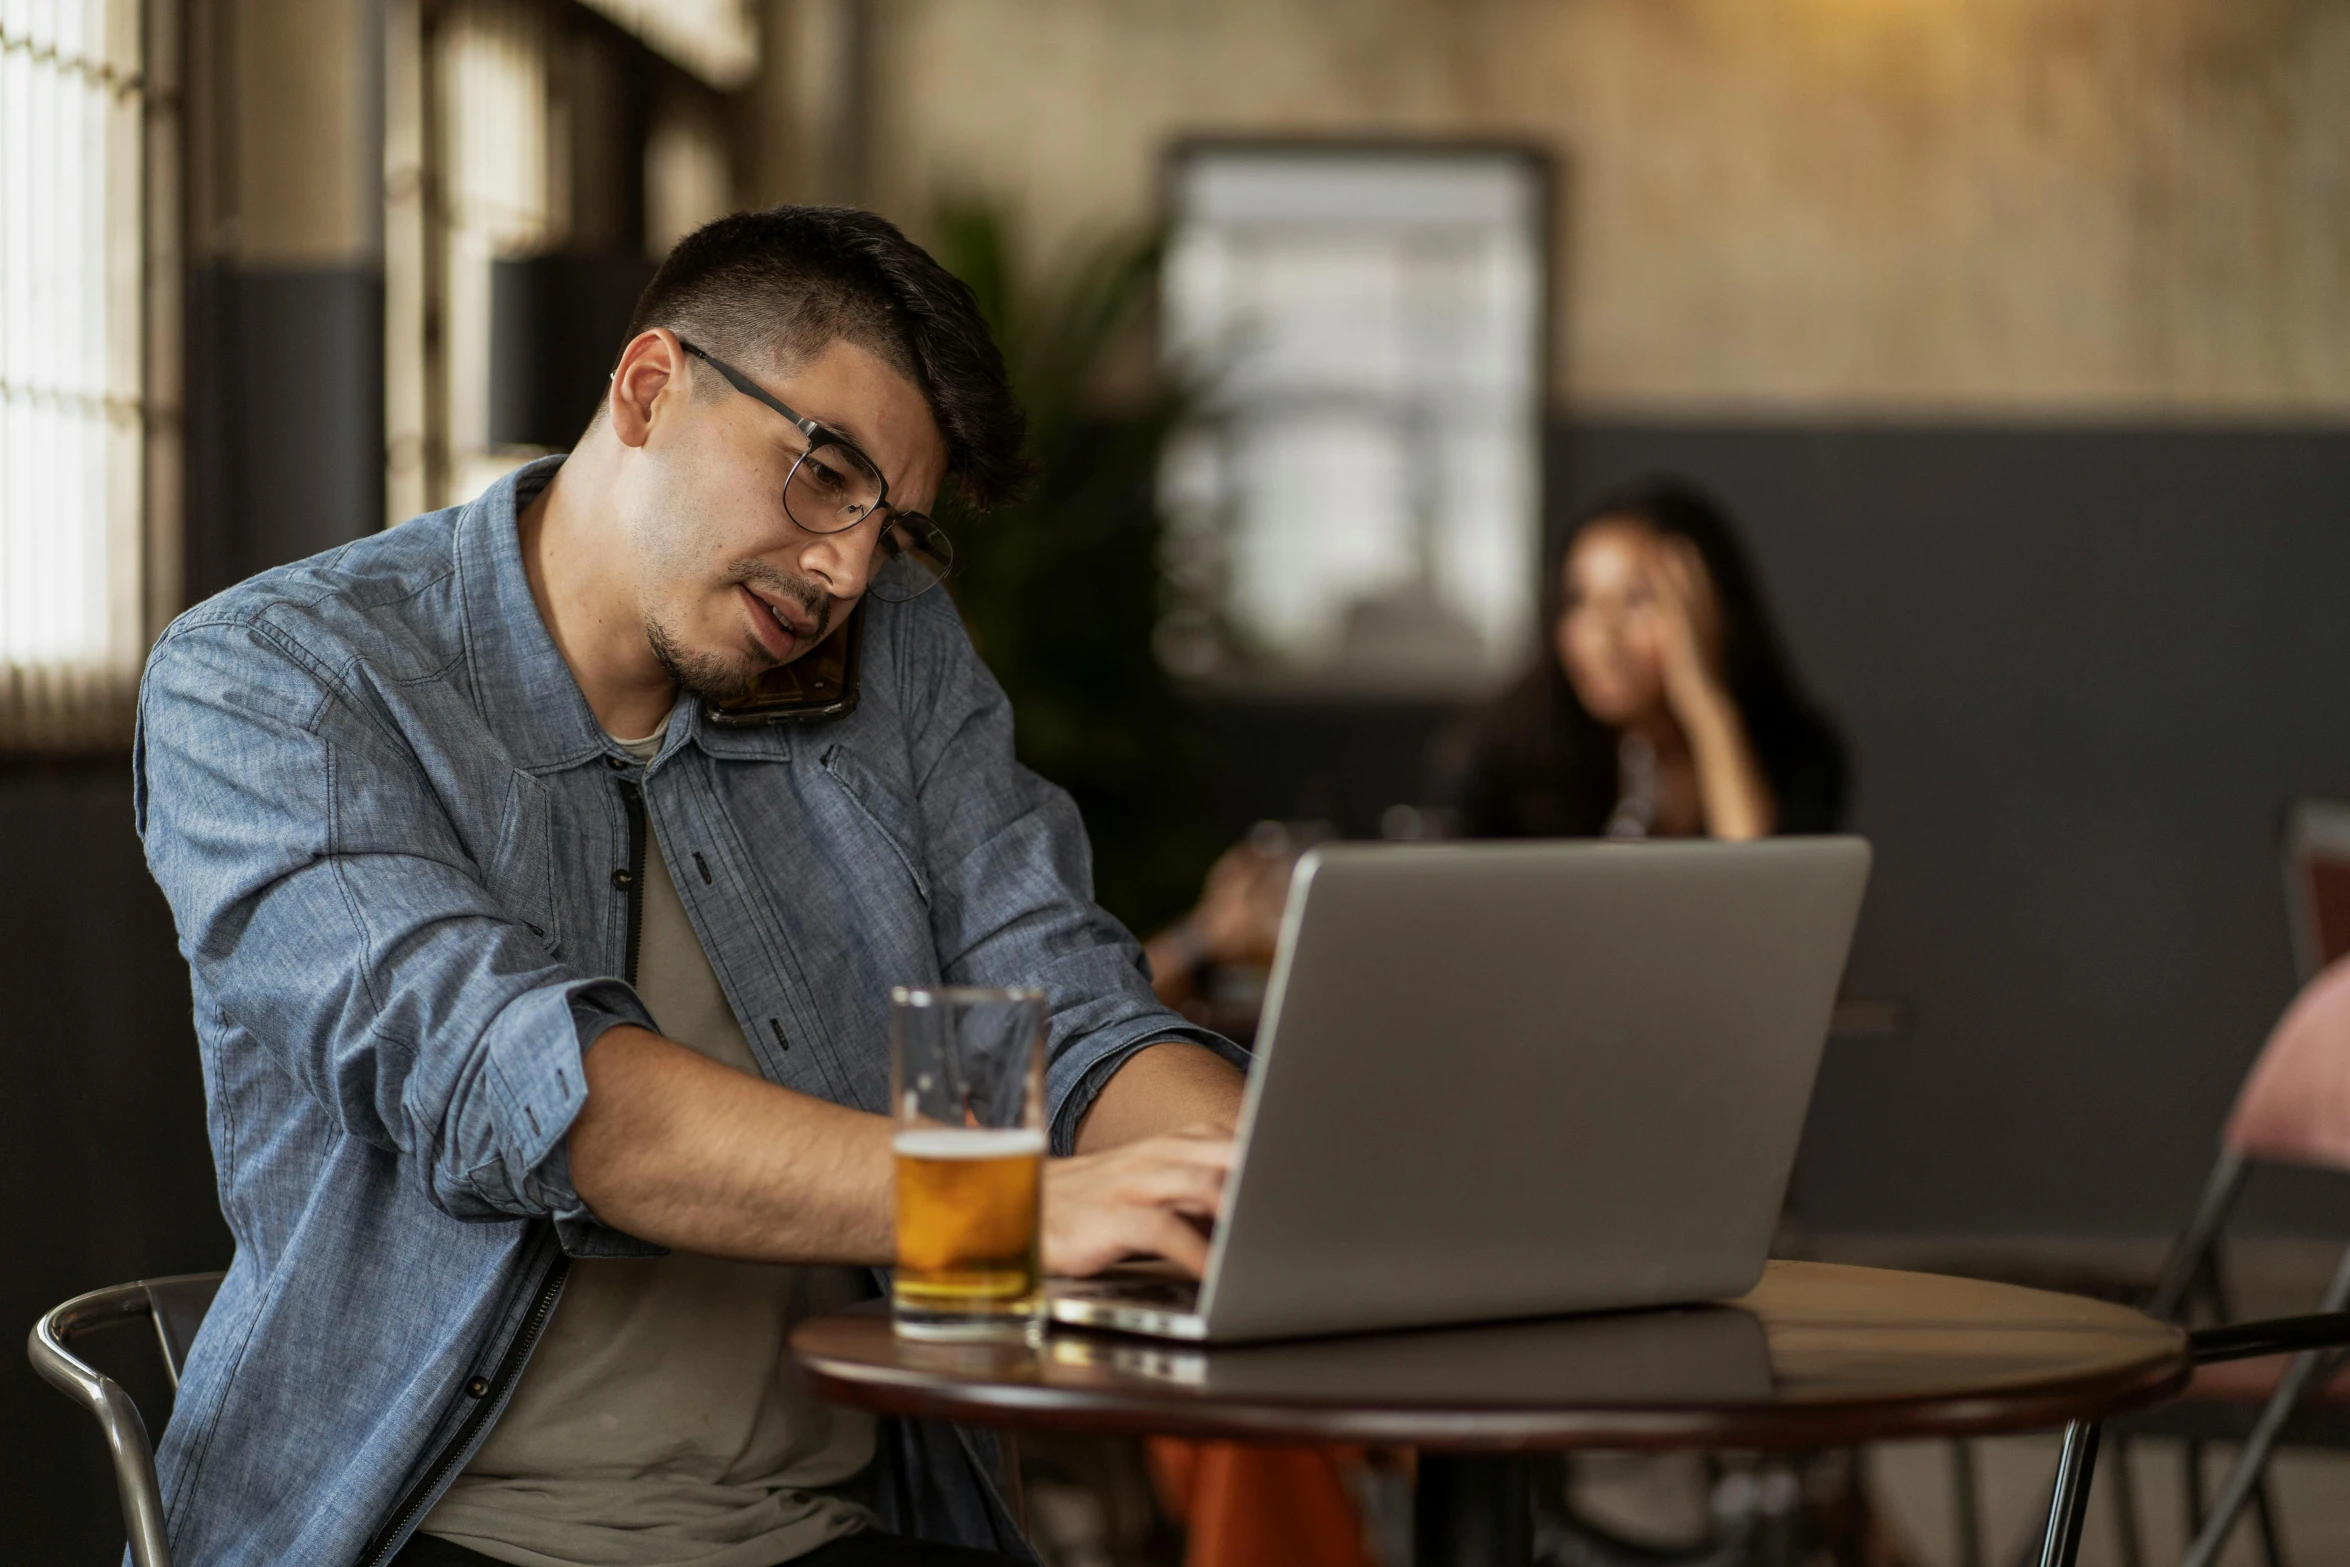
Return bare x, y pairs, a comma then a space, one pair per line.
821, 683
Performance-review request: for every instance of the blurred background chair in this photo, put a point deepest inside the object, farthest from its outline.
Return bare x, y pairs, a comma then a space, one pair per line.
2293, 1109
2304, 1338
2317, 882
176, 1307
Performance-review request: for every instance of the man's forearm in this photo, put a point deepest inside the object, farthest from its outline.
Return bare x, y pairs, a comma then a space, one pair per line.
674, 1148
1163, 1088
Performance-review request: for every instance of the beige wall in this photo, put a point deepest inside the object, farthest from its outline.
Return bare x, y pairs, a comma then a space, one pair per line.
284, 142
1982, 207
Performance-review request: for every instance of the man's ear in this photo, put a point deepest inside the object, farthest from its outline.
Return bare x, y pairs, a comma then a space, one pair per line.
651, 364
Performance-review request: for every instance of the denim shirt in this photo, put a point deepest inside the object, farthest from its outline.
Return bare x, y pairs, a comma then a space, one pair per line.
396, 844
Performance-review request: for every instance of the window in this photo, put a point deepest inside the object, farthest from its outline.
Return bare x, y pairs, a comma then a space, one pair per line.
715, 40
74, 412
500, 179
1356, 504
526, 115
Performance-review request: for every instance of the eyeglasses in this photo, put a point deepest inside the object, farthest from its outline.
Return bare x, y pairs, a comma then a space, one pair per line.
833, 487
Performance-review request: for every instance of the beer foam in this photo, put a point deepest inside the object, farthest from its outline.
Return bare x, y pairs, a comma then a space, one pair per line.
967, 1142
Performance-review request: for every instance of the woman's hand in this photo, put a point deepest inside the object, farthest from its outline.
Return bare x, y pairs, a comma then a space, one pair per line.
1731, 790
1237, 919
1689, 632
1153, 1198
1239, 915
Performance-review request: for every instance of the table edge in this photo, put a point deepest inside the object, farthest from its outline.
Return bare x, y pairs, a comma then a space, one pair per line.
2101, 1396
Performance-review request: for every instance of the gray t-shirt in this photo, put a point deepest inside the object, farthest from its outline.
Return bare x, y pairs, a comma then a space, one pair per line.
659, 1423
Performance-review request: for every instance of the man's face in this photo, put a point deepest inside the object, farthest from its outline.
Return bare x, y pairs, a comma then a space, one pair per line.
728, 586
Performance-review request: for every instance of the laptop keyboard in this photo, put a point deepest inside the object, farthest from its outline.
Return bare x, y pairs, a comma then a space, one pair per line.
1152, 1292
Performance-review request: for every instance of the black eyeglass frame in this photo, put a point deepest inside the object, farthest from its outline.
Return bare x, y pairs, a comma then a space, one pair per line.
818, 437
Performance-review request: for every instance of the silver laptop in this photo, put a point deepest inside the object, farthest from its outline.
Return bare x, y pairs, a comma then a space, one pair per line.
1513, 1080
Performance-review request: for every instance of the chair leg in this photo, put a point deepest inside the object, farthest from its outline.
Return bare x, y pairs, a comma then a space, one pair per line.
2245, 1477
2068, 1506
2252, 1463
2191, 1255
1966, 1502
2127, 1550
2191, 1487
2272, 1533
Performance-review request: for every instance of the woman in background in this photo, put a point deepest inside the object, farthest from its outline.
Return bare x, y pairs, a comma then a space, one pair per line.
1664, 705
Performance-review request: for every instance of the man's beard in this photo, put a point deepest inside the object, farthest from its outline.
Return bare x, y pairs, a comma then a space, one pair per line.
708, 677
713, 677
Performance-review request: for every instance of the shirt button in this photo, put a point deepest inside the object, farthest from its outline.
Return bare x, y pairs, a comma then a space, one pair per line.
622, 880
615, 763
477, 1388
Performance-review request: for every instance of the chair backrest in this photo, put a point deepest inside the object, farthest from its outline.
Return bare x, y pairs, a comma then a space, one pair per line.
176, 1306
2317, 882
179, 1305
2294, 1107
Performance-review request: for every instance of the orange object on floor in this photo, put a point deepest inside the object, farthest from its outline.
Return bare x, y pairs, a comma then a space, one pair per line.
1249, 1506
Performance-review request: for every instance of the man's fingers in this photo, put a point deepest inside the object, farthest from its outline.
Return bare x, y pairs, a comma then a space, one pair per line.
1103, 1239
1188, 1187
1143, 1198
1179, 1243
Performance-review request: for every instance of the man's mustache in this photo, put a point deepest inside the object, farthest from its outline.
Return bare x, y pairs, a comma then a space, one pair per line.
813, 601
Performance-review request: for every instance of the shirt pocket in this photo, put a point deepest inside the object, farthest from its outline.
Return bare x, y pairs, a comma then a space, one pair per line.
521, 870
885, 806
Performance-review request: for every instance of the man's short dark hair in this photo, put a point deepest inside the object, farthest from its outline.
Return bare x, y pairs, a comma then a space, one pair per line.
779, 285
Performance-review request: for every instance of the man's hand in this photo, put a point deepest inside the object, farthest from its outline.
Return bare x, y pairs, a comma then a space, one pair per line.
1153, 1198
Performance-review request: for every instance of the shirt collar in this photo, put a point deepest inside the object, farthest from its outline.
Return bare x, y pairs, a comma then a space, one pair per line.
520, 680
525, 689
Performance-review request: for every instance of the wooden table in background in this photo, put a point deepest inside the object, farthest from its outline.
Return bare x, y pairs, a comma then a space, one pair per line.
1816, 1356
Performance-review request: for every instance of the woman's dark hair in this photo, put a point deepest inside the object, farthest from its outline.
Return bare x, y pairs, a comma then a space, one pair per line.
780, 285
1538, 765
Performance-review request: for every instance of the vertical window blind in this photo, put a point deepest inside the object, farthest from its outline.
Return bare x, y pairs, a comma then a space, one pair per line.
72, 411
500, 178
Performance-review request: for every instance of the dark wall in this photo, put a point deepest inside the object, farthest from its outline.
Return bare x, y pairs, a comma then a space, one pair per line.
102, 1147
285, 417
1339, 763
2081, 671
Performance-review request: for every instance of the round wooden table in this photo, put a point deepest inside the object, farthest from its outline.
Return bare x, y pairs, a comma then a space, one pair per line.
1815, 1356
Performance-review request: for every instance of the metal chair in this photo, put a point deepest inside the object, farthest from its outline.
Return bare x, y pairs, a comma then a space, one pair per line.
2284, 1114
2294, 1108
176, 1306
2306, 1339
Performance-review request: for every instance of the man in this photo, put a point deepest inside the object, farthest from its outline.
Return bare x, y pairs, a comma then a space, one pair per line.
514, 965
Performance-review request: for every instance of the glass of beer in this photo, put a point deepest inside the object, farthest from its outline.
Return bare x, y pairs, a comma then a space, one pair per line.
967, 1091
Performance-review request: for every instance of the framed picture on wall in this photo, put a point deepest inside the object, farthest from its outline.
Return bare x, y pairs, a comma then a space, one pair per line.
1354, 504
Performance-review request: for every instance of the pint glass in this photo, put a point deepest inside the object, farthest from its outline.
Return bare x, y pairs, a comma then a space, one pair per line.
967, 1092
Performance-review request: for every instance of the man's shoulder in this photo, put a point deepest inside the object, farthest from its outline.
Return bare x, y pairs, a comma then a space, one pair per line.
389, 600
922, 638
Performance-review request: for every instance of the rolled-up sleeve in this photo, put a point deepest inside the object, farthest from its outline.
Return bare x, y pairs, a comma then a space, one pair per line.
1011, 876
327, 904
